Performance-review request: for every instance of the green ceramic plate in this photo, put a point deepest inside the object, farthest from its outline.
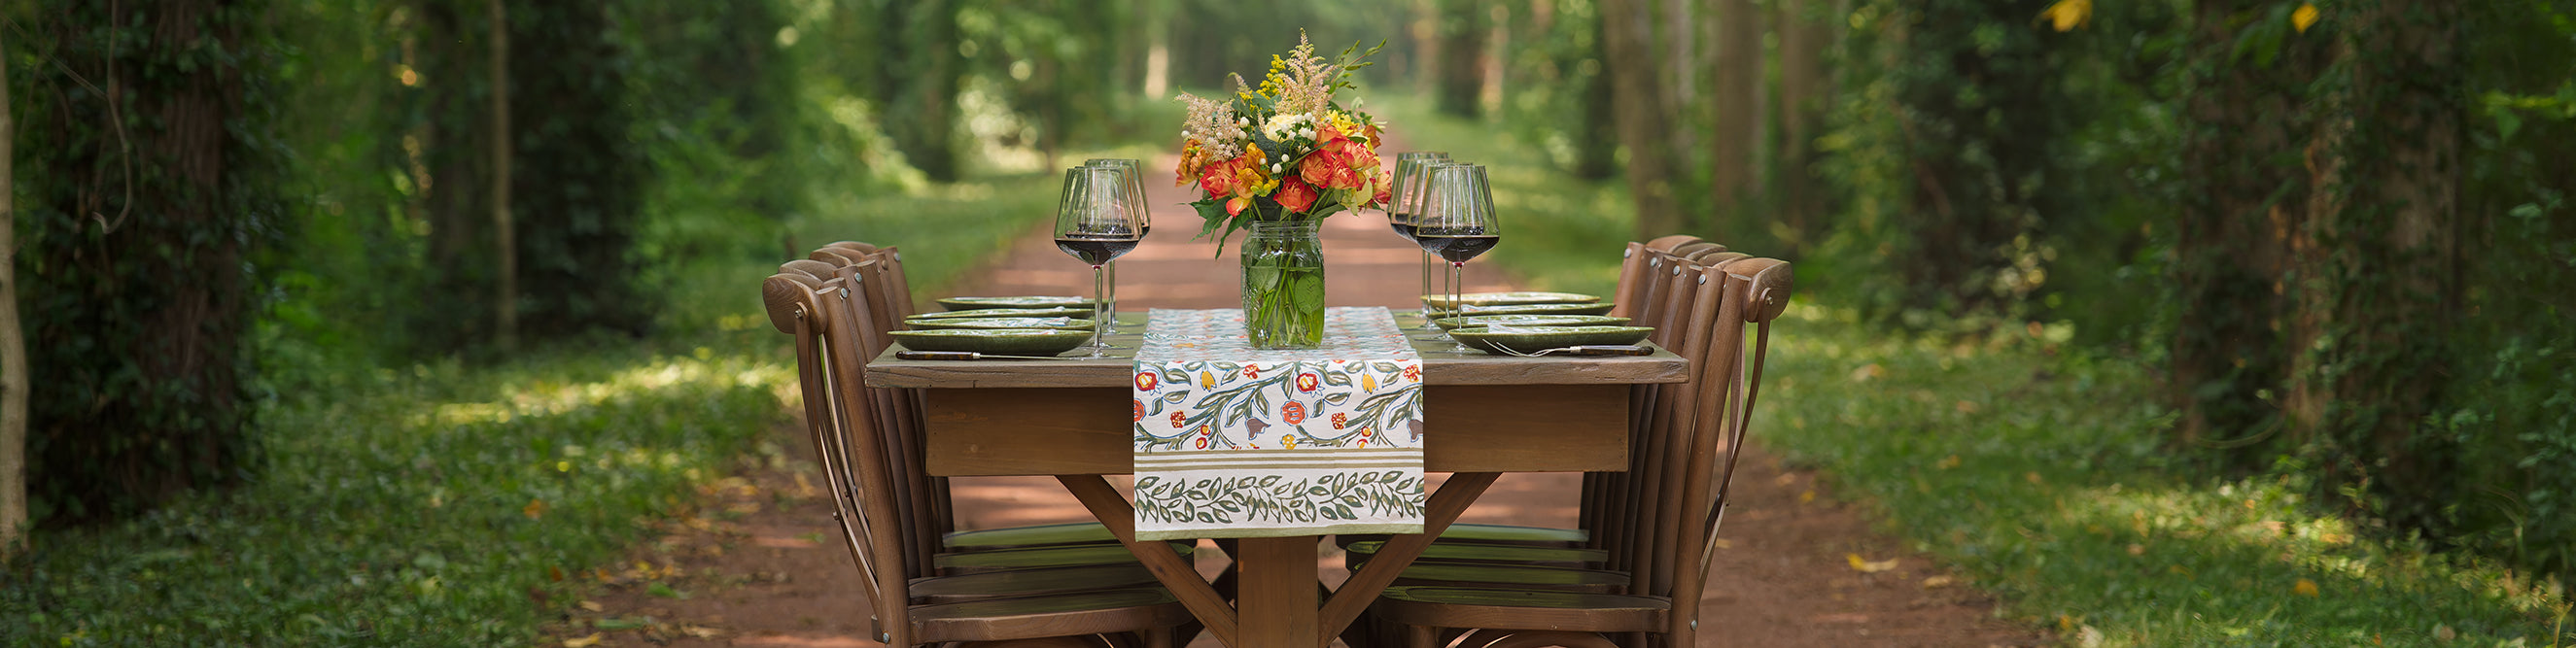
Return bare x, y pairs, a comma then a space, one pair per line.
1531, 339
1040, 342
1007, 312
976, 303
1530, 320
1503, 298
1057, 323
1532, 309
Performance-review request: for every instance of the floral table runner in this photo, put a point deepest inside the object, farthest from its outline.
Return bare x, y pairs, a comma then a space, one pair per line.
1236, 442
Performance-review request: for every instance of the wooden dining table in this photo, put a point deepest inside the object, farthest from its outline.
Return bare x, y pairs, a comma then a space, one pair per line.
1483, 415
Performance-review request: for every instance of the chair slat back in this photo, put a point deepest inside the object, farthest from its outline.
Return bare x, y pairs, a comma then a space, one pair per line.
1756, 291
848, 446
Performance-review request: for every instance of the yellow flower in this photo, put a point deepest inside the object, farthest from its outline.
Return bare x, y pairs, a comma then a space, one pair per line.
2304, 16
2069, 14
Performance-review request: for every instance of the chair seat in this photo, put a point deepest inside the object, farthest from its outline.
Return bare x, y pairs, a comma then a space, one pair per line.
983, 561
1001, 619
1493, 534
1042, 535
1501, 609
1029, 582
1361, 552
1443, 574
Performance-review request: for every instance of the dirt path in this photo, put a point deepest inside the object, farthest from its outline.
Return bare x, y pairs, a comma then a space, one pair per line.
758, 564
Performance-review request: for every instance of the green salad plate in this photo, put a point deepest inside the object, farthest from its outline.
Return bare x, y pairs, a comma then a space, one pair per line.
1529, 309
1005, 312
1057, 323
1533, 339
1446, 323
1034, 342
983, 303
1443, 302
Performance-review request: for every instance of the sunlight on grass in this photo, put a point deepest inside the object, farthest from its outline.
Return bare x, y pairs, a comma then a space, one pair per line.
2043, 473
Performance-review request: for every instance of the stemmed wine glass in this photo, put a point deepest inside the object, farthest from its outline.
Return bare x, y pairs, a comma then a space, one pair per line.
1403, 207
1095, 223
1457, 221
1135, 199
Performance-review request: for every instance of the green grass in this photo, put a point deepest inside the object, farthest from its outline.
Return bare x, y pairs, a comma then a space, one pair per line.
2040, 471
2044, 474
422, 505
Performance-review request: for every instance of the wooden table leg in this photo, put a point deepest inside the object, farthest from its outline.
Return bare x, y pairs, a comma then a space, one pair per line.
1176, 574
1277, 599
1363, 587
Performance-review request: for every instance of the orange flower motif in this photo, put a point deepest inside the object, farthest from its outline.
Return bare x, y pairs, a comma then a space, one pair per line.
1145, 381
1140, 412
1308, 382
1177, 420
1252, 372
1295, 195
1413, 372
1339, 419
1293, 412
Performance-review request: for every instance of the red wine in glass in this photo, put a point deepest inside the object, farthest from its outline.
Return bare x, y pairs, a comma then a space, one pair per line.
1095, 251
1458, 249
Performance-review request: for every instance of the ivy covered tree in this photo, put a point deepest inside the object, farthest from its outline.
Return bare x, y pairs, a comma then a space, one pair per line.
151, 182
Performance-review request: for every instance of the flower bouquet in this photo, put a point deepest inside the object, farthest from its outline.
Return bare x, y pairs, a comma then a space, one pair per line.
1276, 160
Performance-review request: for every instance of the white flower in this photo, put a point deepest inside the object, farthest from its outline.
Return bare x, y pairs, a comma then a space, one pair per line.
1281, 127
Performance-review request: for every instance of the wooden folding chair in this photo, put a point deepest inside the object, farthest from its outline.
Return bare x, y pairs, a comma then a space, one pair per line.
1676, 536
867, 498
902, 463
1682, 322
880, 269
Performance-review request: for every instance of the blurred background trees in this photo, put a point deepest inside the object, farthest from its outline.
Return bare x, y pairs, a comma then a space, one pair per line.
2341, 226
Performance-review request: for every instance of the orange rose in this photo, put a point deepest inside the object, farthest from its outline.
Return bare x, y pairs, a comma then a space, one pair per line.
1321, 167
1296, 195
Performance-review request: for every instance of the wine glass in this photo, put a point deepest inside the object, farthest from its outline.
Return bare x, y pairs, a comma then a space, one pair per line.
1095, 223
1135, 197
1457, 221
1404, 205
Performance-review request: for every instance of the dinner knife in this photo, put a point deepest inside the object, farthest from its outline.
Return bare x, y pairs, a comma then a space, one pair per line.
969, 355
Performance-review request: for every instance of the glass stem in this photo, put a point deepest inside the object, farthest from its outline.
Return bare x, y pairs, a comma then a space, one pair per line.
1109, 307
1099, 331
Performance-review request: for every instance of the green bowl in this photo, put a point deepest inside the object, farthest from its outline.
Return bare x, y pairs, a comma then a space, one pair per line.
1530, 309
983, 303
1034, 342
1508, 298
1531, 339
1057, 323
1007, 312
1446, 323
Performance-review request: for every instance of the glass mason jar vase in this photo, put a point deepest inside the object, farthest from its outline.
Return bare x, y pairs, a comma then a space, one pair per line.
1283, 284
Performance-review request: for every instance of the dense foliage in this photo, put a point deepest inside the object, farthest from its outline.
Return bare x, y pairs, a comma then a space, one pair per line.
149, 201
2335, 226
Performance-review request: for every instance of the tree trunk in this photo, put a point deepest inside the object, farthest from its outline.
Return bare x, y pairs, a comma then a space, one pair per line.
1803, 39
1628, 37
2242, 207
1597, 150
505, 297
1462, 58
2382, 294
13, 342
1739, 70
918, 81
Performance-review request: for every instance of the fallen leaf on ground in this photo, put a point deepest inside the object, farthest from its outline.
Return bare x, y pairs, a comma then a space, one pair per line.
2304, 587
536, 508
1937, 582
1868, 371
1806, 497
582, 642
1870, 566
1723, 543
591, 606
701, 632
